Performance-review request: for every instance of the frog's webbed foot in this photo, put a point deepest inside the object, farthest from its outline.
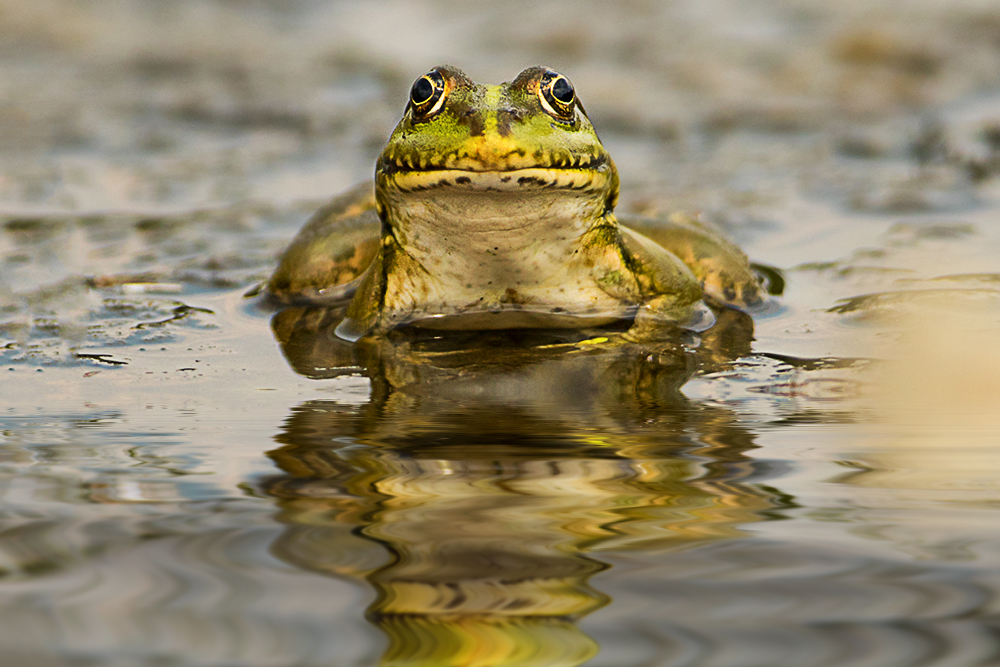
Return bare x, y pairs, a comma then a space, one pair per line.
721, 267
326, 261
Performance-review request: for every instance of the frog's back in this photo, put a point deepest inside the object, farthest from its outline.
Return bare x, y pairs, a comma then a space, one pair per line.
333, 249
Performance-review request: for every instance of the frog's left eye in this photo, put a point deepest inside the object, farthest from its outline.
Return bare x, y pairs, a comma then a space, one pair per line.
427, 94
557, 96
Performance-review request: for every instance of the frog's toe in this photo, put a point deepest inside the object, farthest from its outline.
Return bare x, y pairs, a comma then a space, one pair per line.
700, 319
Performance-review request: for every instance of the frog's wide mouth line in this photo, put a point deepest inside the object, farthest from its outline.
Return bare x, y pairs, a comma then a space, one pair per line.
516, 160
498, 181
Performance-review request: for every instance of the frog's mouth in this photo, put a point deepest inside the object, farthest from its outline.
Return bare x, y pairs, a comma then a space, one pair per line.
594, 174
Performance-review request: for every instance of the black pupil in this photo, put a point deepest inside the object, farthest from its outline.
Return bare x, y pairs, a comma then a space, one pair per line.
562, 90
421, 91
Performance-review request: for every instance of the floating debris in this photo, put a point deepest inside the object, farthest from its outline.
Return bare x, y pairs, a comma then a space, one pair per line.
102, 358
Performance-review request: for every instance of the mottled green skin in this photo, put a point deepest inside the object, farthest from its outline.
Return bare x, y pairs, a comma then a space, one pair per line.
495, 210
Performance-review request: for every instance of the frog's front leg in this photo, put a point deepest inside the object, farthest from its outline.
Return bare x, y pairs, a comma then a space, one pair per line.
387, 294
665, 292
672, 295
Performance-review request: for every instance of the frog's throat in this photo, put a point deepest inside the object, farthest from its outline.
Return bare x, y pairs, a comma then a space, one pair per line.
515, 180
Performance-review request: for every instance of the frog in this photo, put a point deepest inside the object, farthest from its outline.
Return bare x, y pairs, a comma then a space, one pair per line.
493, 207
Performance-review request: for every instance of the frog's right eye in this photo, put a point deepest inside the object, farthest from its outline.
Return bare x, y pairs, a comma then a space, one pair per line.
427, 94
557, 96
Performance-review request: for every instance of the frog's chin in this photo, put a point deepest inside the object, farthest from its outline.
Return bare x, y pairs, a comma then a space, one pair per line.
516, 180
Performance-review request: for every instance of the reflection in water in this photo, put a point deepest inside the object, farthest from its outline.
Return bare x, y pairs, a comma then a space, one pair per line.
312, 348
525, 506
476, 498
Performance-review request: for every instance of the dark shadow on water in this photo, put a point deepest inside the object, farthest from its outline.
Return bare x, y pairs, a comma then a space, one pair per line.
478, 488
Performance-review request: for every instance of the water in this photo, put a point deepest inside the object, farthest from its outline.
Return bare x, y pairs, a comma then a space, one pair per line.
188, 479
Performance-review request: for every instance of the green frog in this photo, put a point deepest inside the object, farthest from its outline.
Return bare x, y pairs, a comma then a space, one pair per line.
493, 208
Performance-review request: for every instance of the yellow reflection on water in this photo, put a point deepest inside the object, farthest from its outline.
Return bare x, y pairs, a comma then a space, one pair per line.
479, 525
477, 490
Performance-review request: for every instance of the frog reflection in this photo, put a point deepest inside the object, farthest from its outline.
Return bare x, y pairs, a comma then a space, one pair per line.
410, 356
478, 489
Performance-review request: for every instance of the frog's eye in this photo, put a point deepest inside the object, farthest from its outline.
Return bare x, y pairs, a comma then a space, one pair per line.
427, 94
557, 96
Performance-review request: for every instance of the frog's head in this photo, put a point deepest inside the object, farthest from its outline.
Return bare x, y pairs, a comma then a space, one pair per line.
529, 135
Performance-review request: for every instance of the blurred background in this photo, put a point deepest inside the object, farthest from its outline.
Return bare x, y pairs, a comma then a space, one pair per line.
115, 104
